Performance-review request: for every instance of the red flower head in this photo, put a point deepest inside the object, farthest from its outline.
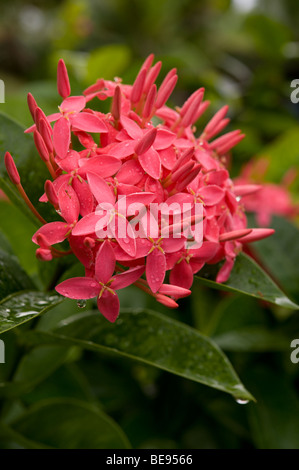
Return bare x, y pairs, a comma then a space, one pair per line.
128, 191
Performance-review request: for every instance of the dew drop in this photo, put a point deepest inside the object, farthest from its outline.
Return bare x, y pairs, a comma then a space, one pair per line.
24, 314
241, 401
81, 303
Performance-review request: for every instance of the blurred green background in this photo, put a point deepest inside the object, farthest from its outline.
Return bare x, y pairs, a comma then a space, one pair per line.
245, 53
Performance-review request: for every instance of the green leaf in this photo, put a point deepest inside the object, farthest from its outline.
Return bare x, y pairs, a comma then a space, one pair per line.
5, 245
32, 170
280, 254
9, 439
68, 381
248, 278
70, 424
33, 368
240, 323
153, 339
24, 306
252, 338
12, 276
19, 230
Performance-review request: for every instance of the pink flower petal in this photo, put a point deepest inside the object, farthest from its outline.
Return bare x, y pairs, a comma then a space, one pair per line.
171, 245
168, 157
61, 137
182, 275
86, 140
68, 203
150, 162
108, 305
84, 195
217, 177
126, 189
205, 252
120, 281
124, 234
131, 127
123, 149
105, 263
212, 230
134, 200
87, 225
164, 139
178, 200
154, 186
82, 252
79, 288
155, 269
73, 104
89, 123
102, 165
53, 117
100, 189
54, 232
207, 161
231, 201
211, 195
131, 172
225, 271
70, 162
143, 246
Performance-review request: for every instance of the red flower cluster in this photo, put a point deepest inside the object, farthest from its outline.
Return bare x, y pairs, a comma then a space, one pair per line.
144, 153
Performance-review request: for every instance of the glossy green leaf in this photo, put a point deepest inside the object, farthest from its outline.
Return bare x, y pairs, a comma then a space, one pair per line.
19, 230
248, 278
12, 276
70, 424
24, 306
33, 368
5, 245
68, 381
153, 339
252, 338
10, 439
280, 254
240, 323
32, 170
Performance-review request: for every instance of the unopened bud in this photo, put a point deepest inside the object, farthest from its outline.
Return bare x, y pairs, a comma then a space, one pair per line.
63, 83
11, 169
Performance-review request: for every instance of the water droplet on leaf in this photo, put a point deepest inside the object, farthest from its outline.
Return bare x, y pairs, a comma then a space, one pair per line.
241, 401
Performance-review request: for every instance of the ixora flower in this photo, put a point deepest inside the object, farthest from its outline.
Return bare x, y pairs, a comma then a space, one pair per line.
138, 202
